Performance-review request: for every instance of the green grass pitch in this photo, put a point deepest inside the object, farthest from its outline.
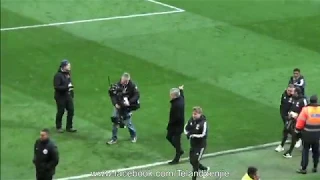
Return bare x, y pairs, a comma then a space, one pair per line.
233, 56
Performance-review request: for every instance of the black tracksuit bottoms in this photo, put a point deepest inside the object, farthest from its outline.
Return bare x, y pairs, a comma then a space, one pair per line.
64, 103
195, 156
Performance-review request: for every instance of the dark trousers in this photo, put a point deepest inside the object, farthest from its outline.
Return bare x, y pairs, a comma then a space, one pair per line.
175, 140
284, 116
305, 154
289, 129
44, 177
195, 156
294, 138
64, 103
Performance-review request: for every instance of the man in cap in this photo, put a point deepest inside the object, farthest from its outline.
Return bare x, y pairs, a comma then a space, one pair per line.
63, 95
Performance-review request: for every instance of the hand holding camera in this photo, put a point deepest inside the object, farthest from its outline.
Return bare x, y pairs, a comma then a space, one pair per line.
70, 86
126, 101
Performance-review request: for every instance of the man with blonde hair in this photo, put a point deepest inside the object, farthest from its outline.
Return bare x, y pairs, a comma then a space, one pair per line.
196, 130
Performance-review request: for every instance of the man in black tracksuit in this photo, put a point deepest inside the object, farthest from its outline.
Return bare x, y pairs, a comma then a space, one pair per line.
176, 122
63, 95
285, 106
196, 130
298, 80
46, 156
299, 101
286, 103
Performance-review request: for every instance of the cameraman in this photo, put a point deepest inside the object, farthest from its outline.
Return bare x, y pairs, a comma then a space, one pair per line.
125, 98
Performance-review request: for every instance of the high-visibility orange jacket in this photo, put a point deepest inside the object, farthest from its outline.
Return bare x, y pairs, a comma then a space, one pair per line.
309, 122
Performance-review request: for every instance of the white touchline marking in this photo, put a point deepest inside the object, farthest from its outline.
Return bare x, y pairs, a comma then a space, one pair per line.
89, 20
176, 10
238, 150
166, 5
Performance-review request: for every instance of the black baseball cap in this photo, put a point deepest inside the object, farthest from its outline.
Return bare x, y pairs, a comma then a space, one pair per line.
64, 63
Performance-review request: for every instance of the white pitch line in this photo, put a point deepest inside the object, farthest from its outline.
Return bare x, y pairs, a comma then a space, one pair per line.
166, 5
166, 162
90, 20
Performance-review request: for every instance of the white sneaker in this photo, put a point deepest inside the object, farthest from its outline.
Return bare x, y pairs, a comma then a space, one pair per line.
279, 149
134, 140
298, 144
287, 155
208, 169
112, 141
205, 173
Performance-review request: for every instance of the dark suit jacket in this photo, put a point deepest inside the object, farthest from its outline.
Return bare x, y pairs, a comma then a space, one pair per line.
176, 117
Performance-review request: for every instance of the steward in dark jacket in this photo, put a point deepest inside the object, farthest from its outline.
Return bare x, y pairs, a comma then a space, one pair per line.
46, 156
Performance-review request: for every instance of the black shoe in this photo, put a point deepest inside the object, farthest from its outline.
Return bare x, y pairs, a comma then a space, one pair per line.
71, 130
181, 153
302, 171
177, 158
314, 170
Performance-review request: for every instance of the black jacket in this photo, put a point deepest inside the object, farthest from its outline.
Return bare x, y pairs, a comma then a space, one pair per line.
286, 103
46, 157
131, 92
298, 103
176, 116
300, 82
197, 131
61, 83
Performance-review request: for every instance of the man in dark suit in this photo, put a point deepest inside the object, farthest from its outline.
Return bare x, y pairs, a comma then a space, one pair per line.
176, 122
